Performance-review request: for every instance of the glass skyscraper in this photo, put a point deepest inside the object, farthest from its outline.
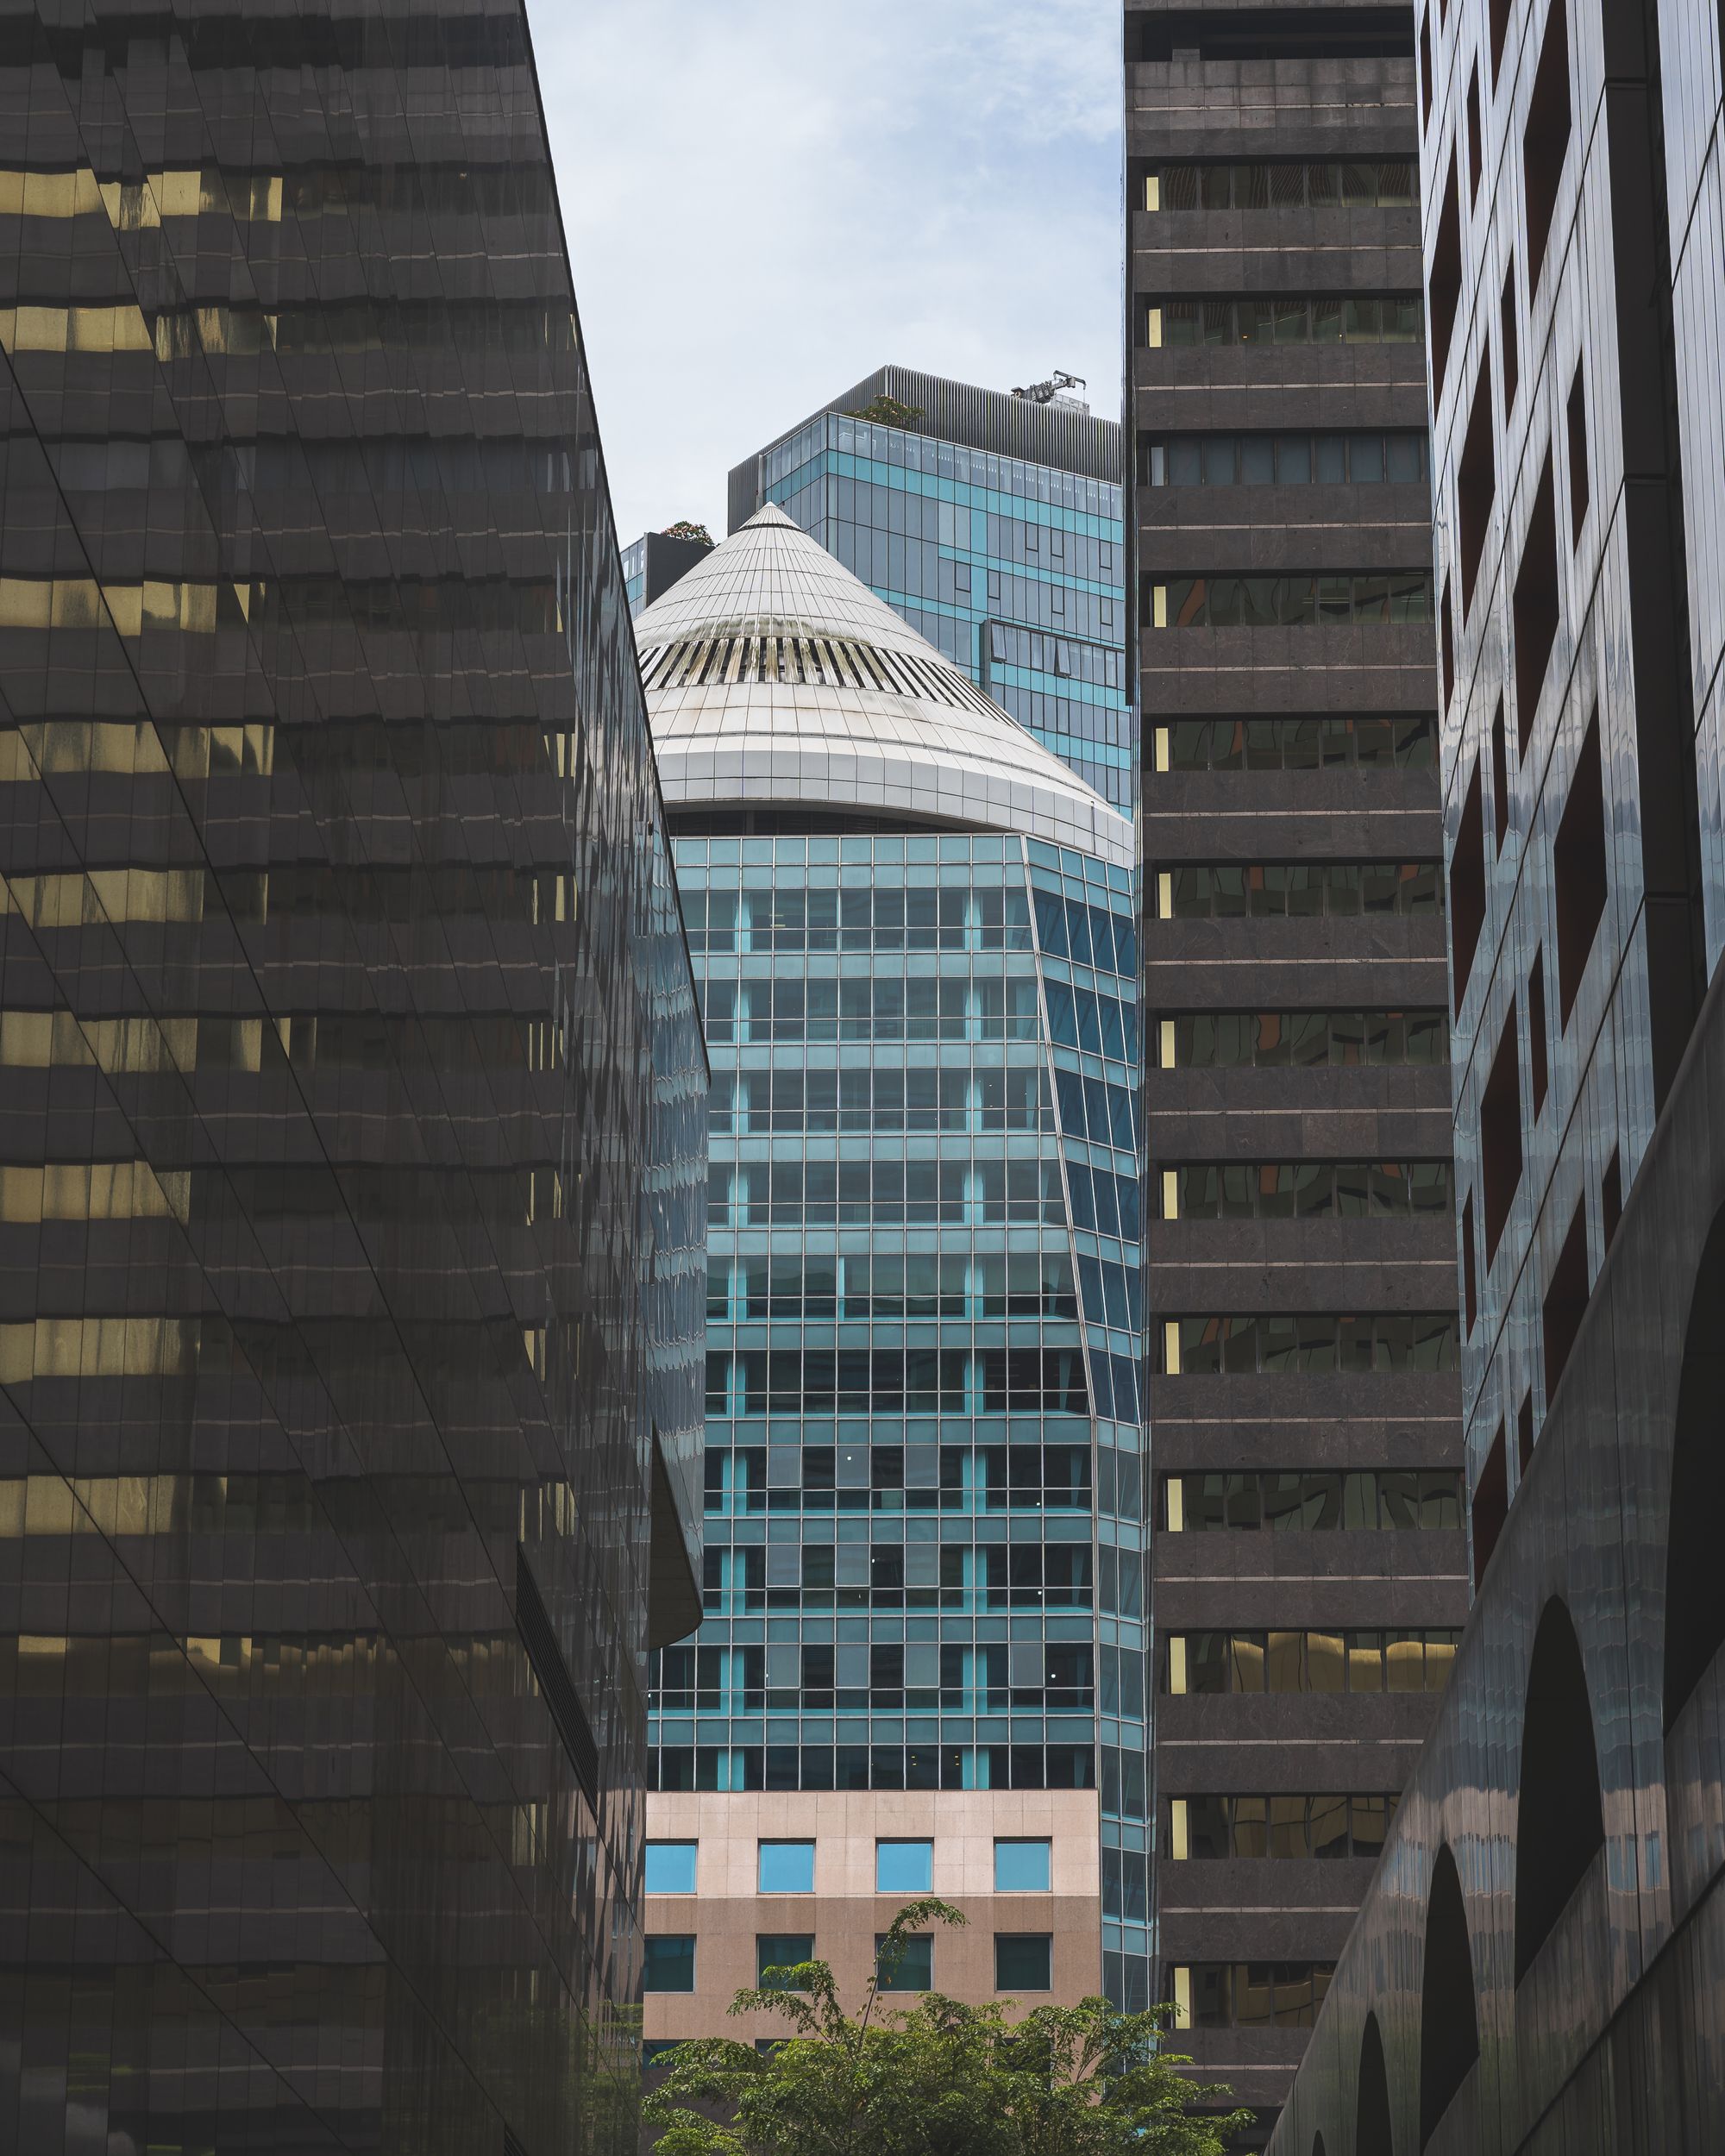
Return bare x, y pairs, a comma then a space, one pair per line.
351, 1158
922, 1651
993, 525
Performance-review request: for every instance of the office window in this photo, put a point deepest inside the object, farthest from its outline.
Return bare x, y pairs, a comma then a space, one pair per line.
656, 2050
1290, 318
1289, 1344
671, 1867
1248, 1994
1286, 1190
1200, 1040
1300, 459
1024, 1961
670, 1962
1215, 890
1259, 1827
1380, 184
904, 1867
787, 1867
1301, 1499
1339, 599
913, 1969
781, 1952
1401, 1659
1023, 1867
1401, 741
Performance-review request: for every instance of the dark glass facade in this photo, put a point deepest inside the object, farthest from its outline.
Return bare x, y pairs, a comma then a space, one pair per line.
352, 1165
1310, 1568
1540, 1965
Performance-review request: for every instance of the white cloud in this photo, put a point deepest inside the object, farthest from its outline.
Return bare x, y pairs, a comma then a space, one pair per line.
766, 199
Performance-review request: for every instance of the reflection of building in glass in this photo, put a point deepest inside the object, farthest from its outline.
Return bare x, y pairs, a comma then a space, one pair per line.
352, 1183
1301, 1259
1541, 1961
922, 1657
992, 523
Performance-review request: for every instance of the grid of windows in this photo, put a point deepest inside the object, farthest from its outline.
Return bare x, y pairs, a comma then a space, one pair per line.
1280, 1826
1012, 570
1312, 1498
928, 1337
1333, 598
1281, 1345
1284, 183
1248, 1994
895, 1478
1287, 318
1401, 741
272, 786
1356, 1660
894, 1284
967, 1095
1286, 459
1296, 890
1277, 1039
1306, 1189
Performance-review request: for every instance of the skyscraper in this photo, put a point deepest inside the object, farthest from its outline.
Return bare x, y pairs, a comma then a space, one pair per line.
992, 525
1540, 1963
1309, 1560
351, 1085
922, 1657
652, 564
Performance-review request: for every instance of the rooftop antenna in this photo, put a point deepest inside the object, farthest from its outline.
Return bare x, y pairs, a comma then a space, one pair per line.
1056, 392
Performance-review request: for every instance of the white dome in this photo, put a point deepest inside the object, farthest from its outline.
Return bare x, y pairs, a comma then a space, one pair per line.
774, 678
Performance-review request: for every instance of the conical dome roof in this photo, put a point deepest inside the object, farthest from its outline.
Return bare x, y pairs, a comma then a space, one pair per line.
775, 679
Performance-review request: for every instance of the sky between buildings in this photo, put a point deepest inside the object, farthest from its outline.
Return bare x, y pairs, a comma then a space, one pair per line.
766, 199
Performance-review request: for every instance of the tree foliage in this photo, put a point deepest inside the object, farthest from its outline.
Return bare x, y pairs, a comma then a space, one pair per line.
938, 2078
888, 411
686, 529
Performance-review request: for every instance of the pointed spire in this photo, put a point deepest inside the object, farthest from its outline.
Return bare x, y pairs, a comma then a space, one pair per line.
774, 677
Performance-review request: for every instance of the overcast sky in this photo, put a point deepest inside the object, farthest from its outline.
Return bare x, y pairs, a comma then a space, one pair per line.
768, 199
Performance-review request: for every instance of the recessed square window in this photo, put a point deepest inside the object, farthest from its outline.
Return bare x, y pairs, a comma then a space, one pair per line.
786, 1867
777, 1952
913, 1970
670, 1962
671, 1867
1024, 1961
904, 1867
1023, 1867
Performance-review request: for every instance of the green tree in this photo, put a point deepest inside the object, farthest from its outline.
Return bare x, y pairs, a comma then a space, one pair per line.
938, 2078
684, 529
888, 411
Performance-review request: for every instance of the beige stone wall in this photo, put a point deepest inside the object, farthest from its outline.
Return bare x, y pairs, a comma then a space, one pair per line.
844, 1912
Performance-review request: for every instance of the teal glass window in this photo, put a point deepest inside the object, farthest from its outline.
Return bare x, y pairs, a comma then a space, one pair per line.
1023, 1867
778, 1953
671, 1867
1024, 1961
913, 1968
670, 1962
786, 1867
904, 1867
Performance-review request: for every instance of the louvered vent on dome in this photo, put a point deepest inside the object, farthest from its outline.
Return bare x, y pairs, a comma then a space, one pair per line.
799, 658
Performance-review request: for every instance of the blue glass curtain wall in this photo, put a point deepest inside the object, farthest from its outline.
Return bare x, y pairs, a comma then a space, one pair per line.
925, 1560
1012, 570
